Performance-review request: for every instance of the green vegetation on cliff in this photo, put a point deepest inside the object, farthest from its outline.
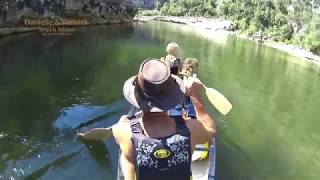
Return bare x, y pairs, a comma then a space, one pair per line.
190, 8
292, 21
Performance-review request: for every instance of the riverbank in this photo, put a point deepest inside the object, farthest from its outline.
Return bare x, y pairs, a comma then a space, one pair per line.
4, 31
291, 49
226, 26
15, 30
198, 22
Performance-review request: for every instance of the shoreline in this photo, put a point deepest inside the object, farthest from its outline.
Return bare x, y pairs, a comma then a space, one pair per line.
201, 23
5, 31
226, 26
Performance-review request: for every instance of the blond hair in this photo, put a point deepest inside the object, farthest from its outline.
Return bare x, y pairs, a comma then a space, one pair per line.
189, 67
173, 49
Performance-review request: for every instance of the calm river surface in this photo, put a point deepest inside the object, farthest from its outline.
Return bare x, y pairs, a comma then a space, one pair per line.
52, 87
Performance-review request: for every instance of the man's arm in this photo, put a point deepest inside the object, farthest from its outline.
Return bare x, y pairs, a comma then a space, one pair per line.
122, 135
127, 165
203, 116
193, 88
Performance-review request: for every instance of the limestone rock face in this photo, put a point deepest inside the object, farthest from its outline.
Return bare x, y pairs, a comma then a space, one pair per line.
7, 11
99, 11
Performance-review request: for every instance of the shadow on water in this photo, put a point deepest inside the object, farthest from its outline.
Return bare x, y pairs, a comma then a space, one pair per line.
60, 156
99, 152
43, 76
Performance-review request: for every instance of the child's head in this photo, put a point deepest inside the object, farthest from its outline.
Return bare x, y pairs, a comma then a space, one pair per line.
173, 49
189, 67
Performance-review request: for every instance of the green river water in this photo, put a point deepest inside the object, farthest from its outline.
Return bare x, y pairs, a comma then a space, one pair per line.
52, 87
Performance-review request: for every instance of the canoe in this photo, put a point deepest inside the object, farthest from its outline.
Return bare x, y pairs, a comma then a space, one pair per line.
203, 158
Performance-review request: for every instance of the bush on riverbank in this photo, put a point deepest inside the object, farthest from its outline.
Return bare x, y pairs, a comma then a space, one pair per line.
312, 35
189, 8
296, 22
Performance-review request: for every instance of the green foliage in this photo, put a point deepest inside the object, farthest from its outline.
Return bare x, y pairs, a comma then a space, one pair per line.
315, 48
132, 11
286, 32
242, 24
29, 14
312, 37
312, 41
189, 7
280, 20
224, 8
292, 21
251, 30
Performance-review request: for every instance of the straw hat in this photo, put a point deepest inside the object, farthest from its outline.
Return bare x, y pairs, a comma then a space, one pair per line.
154, 88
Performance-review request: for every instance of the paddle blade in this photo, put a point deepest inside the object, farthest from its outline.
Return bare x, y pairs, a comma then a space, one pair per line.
97, 134
218, 100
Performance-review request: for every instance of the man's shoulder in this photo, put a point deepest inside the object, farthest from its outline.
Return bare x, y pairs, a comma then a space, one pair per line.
122, 124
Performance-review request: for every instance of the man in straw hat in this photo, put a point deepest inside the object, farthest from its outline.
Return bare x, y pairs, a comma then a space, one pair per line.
155, 146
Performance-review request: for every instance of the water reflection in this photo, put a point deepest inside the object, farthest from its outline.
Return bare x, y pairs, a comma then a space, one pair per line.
66, 82
41, 76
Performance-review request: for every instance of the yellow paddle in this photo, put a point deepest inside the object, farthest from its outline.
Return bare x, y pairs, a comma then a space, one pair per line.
218, 100
188, 70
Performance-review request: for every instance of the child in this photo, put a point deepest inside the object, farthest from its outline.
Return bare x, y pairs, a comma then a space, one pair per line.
172, 58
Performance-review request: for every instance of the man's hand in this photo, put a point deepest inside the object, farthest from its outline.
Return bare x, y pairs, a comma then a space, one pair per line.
193, 86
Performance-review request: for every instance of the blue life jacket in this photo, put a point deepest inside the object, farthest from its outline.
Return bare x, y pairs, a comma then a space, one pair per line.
174, 67
166, 158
